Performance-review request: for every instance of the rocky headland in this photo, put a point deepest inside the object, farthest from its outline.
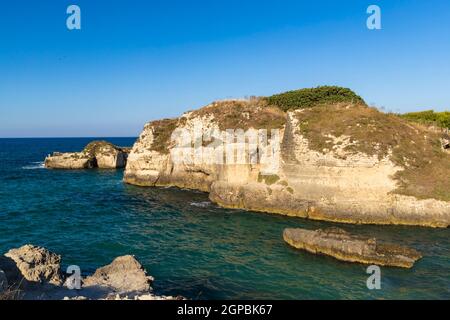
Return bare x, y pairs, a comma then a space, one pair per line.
34, 273
97, 154
339, 159
343, 246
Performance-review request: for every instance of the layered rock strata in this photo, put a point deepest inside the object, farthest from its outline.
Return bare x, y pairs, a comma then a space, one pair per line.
384, 171
343, 246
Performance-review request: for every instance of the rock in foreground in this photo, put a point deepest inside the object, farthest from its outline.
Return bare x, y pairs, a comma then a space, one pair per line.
343, 246
37, 264
124, 274
33, 273
3, 281
97, 154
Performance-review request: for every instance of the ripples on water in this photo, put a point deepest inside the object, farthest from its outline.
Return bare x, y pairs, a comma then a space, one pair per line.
191, 246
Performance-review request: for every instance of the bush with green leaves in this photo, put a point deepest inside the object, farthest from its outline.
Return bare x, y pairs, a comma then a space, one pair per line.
440, 119
307, 98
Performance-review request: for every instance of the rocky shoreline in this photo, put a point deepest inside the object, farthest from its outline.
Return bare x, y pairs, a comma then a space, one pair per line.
34, 273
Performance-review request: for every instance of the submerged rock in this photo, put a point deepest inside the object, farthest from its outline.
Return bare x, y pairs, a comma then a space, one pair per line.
37, 264
343, 246
97, 154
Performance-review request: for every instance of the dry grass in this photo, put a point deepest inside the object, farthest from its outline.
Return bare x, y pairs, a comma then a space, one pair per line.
244, 114
11, 293
426, 166
233, 114
162, 132
95, 146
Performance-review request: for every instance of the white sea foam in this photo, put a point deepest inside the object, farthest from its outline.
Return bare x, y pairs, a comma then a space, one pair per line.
34, 165
200, 204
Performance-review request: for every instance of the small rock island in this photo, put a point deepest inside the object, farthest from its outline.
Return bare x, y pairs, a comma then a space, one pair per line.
97, 154
343, 246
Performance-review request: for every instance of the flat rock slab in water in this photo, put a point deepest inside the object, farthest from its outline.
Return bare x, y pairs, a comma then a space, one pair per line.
343, 246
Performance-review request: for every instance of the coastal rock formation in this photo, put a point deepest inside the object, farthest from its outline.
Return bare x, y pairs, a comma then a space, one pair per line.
343, 246
33, 273
37, 264
69, 160
97, 154
337, 161
124, 274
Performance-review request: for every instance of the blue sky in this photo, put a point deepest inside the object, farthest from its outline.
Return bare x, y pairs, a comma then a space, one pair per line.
135, 61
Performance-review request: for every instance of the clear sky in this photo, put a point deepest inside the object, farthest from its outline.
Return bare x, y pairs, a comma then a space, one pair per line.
136, 61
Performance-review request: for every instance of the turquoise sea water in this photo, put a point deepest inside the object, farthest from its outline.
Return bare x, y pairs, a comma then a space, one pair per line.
192, 247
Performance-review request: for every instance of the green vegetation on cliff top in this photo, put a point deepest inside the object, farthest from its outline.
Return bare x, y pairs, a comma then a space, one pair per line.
311, 97
429, 117
104, 147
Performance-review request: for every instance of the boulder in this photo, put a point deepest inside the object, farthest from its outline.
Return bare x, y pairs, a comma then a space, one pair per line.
37, 264
124, 274
97, 154
343, 246
3, 281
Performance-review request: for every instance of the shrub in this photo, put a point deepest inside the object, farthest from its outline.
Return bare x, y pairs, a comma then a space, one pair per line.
268, 179
440, 119
307, 98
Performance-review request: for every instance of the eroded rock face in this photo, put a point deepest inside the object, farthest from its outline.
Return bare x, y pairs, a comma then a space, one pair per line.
70, 160
37, 264
343, 246
124, 274
97, 154
339, 184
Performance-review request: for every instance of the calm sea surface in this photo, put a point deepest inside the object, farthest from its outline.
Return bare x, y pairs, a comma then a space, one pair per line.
191, 247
